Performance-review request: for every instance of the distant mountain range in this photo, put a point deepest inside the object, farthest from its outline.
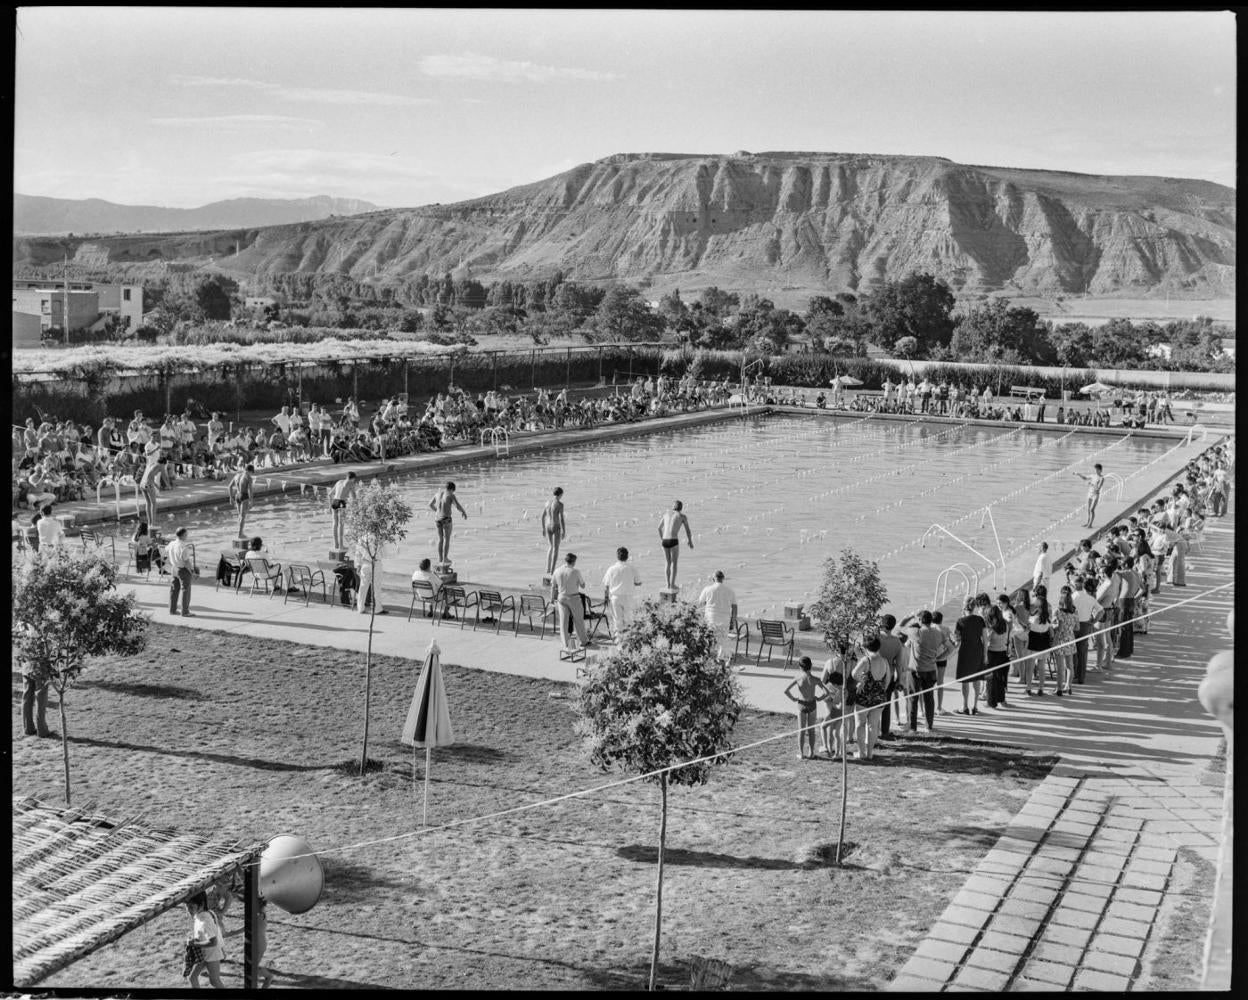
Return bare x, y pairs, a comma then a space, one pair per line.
34, 215
774, 223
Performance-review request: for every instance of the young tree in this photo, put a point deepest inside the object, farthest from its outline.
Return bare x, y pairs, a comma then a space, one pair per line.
375, 519
660, 700
847, 610
65, 609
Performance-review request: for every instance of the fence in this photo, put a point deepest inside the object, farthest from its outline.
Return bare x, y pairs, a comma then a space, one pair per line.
240, 386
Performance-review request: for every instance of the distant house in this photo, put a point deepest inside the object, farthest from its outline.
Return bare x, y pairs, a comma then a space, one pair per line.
263, 302
84, 305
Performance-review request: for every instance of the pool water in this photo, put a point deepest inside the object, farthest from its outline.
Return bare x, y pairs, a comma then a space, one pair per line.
768, 499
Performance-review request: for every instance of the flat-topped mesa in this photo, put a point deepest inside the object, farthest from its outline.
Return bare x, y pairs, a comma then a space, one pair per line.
818, 221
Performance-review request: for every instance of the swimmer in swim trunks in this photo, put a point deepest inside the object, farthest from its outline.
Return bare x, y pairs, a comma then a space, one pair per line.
1095, 482
811, 689
343, 490
554, 527
669, 532
240, 494
441, 506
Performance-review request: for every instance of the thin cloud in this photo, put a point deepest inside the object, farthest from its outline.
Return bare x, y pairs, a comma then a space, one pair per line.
242, 121
471, 66
315, 95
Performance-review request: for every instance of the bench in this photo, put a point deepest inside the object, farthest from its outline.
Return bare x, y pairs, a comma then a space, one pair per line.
1026, 392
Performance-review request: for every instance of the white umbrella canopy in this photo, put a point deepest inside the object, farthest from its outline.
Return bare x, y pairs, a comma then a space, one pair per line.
428, 722
847, 380
1097, 388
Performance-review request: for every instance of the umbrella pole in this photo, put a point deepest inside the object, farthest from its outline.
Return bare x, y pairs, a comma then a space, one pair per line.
424, 819
413, 770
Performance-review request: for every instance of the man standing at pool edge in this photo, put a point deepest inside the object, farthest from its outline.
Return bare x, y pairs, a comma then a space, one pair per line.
441, 507
669, 532
1095, 482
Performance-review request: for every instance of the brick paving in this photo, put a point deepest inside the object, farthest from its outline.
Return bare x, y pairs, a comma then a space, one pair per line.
1068, 896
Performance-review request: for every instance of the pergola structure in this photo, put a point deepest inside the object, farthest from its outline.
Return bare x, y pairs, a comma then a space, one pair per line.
81, 880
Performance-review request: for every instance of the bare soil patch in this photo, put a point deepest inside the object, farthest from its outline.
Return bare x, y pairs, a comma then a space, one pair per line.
249, 739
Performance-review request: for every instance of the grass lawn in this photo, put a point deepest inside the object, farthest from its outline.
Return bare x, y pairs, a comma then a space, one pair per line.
249, 739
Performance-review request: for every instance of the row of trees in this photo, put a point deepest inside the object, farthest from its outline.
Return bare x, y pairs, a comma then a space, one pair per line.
913, 317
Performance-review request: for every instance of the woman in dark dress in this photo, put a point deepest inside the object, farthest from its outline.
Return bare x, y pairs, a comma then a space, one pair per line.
971, 657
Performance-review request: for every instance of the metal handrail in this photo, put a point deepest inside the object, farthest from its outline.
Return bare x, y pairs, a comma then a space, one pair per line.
1118, 482
964, 544
939, 596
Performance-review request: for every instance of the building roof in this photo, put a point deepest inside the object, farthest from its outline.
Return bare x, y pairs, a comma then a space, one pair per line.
81, 880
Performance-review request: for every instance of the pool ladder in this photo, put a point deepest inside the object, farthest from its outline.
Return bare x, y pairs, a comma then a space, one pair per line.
117, 484
970, 576
500, 440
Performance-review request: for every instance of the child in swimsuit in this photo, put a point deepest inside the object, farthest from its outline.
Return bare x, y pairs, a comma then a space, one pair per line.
809, 687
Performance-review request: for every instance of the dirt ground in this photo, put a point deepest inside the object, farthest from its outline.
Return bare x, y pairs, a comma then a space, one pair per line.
249, 739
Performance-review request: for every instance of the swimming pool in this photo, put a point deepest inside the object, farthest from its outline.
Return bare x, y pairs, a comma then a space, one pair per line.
768, 499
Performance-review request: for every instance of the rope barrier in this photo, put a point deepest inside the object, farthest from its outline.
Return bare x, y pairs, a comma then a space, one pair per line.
789, 734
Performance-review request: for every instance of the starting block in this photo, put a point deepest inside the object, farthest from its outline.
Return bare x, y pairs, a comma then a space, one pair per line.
668, 595
572, 655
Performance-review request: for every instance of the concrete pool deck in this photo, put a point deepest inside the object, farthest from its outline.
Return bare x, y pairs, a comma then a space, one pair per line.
1069, 895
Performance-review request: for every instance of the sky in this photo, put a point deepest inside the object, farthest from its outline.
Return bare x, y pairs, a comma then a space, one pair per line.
181, 107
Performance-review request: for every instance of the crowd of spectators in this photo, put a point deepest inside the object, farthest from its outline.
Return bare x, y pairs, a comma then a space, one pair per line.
55, 461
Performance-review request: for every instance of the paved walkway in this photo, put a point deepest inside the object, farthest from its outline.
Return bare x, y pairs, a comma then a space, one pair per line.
1069, 895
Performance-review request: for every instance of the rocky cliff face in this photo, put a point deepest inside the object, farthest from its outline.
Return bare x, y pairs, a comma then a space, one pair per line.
795, 220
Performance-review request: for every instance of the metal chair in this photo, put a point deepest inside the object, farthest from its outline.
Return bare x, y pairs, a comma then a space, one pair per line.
93, 540
535, 604
739, 630
300, 575
775, 633
265, 572
236, 568
423, 591
454, 596
594, 615
491, 601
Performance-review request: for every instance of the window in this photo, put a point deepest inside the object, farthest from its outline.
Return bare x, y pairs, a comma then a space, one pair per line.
125, 295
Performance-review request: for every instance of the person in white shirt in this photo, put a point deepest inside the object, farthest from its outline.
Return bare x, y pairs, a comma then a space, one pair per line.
282, 421
566, 584
618, 583
1044, 567
216, 429
51, 531
180, 558
425, 574
370, 573
719, 603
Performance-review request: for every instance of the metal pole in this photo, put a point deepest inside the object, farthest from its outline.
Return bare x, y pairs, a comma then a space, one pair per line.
251, 919
567, 379
406, 364
424, 816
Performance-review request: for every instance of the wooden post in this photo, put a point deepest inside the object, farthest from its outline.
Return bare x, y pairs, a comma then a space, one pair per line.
406, 362
251, 920
494, 366
567, 379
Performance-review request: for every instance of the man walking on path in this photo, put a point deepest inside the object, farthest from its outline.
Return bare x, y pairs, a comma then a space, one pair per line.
180, 558
441, 506
719, 604
618, 583
669, 533
35, 700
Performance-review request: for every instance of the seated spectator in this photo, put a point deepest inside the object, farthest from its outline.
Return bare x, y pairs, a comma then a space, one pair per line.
146, 550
